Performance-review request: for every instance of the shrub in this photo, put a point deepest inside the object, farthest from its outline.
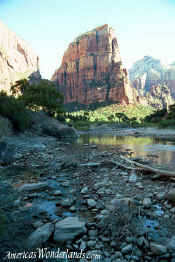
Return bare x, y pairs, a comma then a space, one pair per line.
5, 127
122, 222
41, 95
81, 125
156, 116
167, 123
15, 111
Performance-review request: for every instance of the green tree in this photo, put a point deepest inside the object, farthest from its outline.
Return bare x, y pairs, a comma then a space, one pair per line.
15, 111
41, 95
19, 87
120, 116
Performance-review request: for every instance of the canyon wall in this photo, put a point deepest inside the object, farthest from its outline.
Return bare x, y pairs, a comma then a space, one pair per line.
91, 70
154, 82
17, 60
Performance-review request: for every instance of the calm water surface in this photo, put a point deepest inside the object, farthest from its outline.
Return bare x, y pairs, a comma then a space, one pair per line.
160, 151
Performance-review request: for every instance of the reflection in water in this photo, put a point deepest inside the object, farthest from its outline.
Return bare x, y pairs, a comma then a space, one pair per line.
140, 146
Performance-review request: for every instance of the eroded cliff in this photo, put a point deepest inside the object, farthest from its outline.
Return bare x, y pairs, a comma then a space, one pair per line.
91, 70
154, 82
17, 60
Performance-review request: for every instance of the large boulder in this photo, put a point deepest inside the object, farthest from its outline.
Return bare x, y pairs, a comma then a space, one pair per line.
170, 195
40, 235
68, 228
43, 124
61, 133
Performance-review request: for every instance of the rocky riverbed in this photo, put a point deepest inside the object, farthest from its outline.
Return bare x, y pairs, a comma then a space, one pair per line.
80, 198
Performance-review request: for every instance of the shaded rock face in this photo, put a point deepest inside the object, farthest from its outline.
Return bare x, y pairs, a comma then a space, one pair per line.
92, 71
45, 125
17, 60
154, 82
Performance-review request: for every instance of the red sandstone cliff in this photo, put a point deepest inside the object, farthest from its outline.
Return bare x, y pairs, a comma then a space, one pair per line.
17, 60
91, 70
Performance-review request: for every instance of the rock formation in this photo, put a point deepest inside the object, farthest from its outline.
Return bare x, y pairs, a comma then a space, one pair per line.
170, 78
91, 70
154, 82
17, 60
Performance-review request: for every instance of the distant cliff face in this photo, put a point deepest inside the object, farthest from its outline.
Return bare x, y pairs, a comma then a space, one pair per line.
17, 60
170, 79
92, 71
154, 82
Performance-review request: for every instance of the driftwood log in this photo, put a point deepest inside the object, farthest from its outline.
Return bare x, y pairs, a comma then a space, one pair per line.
139, 166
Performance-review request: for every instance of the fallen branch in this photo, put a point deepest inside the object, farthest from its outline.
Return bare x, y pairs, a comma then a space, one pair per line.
148, 168
119, 164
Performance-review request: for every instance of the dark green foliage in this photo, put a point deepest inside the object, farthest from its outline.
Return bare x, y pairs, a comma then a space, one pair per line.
61, 117
19, 87
156, 116
171, 113
84, 116
41, 95
15, 111
2, 223
167, 123
163, 118
121, 116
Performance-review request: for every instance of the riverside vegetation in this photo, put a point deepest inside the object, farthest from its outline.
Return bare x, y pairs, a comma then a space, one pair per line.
121, 116
28, 96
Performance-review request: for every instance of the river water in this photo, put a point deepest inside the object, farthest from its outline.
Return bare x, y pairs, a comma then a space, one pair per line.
159, 151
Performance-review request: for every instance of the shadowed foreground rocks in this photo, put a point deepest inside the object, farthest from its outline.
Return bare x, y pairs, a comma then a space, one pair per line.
59, 194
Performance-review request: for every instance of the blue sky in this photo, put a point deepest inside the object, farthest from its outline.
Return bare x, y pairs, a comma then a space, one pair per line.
143, 27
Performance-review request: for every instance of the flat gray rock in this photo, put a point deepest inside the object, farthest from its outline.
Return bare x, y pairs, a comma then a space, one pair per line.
84, 190
33, 186
158, 249
57, 193
68, 229
66, 202
40, 235
91, 164
127, 249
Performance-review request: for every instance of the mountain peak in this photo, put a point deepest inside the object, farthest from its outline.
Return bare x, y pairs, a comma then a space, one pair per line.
91, 70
